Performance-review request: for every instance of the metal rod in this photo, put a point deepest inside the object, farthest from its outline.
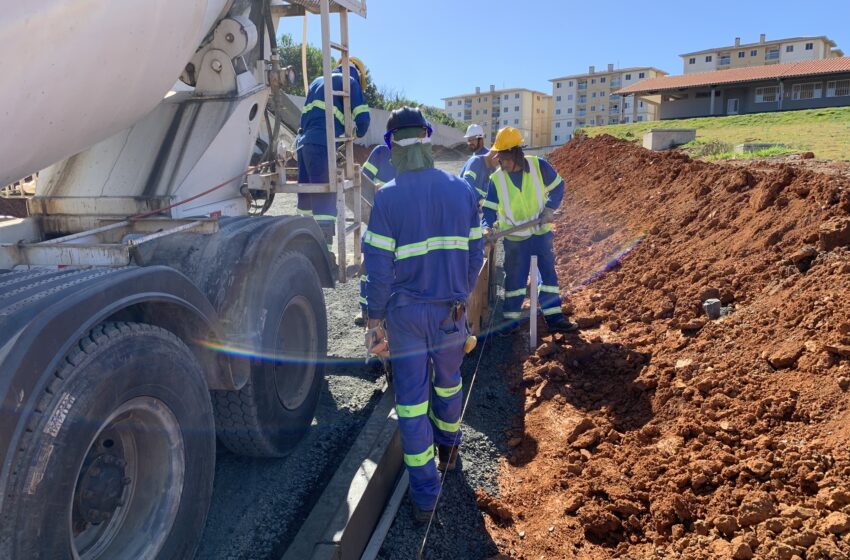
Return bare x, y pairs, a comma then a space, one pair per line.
532, 314
87, 233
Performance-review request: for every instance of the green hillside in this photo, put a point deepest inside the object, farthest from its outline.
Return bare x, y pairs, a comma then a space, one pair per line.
826, 132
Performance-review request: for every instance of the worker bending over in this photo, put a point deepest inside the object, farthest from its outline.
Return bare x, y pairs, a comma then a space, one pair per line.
379, 169
423, 252
475, 171
521, 190
312, 142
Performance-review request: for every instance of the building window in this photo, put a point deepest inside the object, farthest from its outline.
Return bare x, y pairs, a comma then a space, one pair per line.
570, 97
702, 95
789, 48
810, 46
628, 76
592, 122
516, 96
449, 103
556, 138
477, 112
516, 121
601, 94
558, 98
570, 123
593, 94
708, 58
601, 80
754, 52
557, 125
691, 60
479, 100
772, 54
725, 60
485, 111
627, 120
741, 54
838, 88
569, 110
767, 94
459, 115
516, 108
812, 90
505, 121
640, 118
557, 111
641, 75
506, 96
571, 83
558, 85
593, 107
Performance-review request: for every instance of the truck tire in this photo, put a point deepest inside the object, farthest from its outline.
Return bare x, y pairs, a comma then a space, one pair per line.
117, 460
270, 414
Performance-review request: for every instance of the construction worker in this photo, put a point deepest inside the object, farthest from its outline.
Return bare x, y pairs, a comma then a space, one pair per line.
475, 170
524, 189
380, 170
312, 142
423, 252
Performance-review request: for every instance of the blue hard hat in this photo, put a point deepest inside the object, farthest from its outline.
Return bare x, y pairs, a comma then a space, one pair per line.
406, 117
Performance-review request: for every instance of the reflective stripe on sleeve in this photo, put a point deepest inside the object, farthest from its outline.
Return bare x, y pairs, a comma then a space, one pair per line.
369, 167
431, 244
358, 110
475, 233
379, 241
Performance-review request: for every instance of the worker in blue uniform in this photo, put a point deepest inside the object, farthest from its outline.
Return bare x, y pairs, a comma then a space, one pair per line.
524, 189
423, 251
312, 142
475, 171
379, 169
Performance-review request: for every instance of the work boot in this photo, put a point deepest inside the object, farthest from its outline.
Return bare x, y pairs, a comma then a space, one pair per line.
421, 516
360, 321
447, 457
561, 325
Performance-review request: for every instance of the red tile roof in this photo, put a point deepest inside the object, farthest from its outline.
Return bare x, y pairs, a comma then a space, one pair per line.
739, 75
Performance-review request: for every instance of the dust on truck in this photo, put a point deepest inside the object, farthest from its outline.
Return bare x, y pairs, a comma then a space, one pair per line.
143, 312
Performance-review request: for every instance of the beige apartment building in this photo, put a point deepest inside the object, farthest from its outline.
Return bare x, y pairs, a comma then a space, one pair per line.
745, 55
525, 109
592, 99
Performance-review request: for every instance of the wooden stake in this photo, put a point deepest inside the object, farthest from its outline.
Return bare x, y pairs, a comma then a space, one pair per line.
532, 315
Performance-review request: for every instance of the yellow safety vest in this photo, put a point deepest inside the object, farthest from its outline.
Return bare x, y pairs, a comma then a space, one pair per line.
517, 206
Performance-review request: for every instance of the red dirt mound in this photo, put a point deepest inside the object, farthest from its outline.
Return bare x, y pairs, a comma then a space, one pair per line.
659, 432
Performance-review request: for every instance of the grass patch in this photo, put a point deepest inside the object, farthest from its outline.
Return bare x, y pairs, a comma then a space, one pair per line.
826, 132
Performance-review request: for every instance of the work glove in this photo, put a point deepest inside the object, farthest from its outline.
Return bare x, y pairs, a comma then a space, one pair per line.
376, 341
548, 215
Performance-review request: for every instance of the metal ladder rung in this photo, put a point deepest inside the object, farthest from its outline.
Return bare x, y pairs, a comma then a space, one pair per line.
351, 227
337, 46
340, 94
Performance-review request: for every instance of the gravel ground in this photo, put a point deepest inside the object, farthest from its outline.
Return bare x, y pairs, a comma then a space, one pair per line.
259, 504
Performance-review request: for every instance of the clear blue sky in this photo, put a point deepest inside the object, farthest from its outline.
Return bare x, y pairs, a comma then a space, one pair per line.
430, 49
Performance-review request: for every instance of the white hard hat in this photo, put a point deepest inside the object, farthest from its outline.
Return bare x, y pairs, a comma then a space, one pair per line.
474, 131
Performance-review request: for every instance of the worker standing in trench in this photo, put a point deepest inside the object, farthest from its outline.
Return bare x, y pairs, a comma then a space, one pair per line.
475, 171
379, 169
524, 189
312, 142
423, 251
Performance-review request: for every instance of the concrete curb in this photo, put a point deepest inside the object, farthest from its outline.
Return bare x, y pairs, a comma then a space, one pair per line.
342, 521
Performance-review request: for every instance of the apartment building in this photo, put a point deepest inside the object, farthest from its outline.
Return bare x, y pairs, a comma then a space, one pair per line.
525, 109
592, 99
779, 51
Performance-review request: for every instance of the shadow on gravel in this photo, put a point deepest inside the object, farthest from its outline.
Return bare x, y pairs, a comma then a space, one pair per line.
258, 505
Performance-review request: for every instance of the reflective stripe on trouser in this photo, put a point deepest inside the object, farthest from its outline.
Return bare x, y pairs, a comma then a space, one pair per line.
426, 350
517, 263
313, 168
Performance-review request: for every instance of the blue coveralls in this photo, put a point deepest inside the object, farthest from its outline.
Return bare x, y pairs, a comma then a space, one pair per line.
476, 173
520, 248
423, 251
312, 143
380, 170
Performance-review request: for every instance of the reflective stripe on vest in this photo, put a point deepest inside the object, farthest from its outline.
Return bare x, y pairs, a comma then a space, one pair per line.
519, 206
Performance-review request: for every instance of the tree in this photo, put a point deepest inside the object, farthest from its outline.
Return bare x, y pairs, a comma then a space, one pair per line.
379, 98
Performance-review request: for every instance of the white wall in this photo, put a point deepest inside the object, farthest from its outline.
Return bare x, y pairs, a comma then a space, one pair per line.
700, 65
800, 53
563, 124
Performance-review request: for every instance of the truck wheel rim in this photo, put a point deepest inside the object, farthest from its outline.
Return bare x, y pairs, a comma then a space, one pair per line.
298, 342
129, 486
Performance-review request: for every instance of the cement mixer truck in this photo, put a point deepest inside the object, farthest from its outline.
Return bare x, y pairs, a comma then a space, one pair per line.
144, 314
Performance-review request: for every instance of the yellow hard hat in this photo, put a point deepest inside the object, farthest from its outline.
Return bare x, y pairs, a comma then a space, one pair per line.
361, 69
507, 138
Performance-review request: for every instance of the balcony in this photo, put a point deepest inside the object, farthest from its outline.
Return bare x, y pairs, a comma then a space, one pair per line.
614, 111
582, 86
771, 55
581, 113
615, 83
